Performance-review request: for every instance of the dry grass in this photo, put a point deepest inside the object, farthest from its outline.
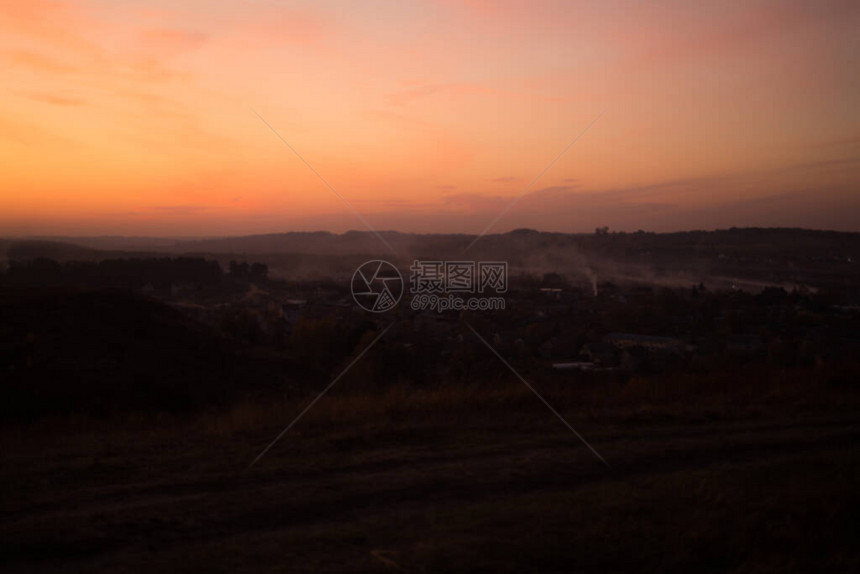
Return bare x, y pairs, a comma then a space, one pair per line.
710, 394
455, 478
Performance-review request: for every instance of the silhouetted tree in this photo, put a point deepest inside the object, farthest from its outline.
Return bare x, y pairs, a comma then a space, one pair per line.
259, 271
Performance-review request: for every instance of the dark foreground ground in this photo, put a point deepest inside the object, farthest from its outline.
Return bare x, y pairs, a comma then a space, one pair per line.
436, 482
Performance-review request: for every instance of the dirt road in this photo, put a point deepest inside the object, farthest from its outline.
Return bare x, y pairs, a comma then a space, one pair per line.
757, 493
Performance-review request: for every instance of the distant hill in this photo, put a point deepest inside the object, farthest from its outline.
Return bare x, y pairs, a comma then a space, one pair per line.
61, 251
352, 242
780, 256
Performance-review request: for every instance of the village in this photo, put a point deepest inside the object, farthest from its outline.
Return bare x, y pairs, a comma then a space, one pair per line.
550, 325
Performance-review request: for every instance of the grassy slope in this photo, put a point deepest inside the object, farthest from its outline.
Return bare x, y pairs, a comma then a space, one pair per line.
451, 480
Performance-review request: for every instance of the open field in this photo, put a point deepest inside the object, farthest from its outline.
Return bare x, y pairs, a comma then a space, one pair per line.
441, 481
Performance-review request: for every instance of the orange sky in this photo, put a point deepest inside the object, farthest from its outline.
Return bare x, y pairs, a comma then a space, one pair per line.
137, 117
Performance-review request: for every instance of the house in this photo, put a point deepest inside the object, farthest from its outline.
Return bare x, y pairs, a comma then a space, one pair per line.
648, 342
582, 367
744, 344
601, 353
292, 309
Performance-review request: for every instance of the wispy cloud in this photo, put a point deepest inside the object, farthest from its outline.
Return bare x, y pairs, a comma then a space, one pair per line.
461, 90
167, 42
473, 201
410, 95
179, 209
36, 61
55, 99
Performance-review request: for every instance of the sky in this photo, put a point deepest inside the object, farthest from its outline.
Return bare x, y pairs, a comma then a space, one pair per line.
123, 117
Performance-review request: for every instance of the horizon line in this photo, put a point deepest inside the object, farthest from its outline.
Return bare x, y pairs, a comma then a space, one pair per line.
37, 237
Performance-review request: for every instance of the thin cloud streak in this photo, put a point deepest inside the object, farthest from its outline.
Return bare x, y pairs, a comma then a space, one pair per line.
535, 180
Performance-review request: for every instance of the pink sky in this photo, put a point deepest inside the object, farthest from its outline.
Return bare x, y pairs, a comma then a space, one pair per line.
137, 118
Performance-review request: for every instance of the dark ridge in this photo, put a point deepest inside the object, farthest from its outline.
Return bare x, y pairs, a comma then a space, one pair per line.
109, 351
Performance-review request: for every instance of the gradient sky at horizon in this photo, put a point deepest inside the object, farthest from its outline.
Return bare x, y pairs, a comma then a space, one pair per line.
137, 117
